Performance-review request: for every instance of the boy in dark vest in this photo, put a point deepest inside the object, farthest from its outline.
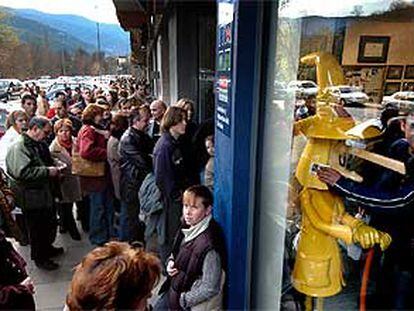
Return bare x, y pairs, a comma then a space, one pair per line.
195, 266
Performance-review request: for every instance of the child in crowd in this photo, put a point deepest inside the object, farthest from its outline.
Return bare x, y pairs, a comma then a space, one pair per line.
209, 170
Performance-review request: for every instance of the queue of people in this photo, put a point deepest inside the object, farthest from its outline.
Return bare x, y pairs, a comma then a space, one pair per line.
99, 152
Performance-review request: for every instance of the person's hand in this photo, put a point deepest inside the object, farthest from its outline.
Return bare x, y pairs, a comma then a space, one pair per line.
367, 236
105, 133
171, 270
385, 240
328, 175
53, 171
29, 284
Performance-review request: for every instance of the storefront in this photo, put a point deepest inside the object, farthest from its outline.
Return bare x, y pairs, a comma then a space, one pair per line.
289, 236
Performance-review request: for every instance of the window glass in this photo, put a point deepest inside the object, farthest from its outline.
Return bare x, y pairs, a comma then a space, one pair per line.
336, 186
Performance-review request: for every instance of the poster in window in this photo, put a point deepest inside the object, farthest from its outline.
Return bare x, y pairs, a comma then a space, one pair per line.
373, 49
395, 72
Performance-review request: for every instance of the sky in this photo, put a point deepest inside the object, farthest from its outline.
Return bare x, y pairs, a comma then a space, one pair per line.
97, 10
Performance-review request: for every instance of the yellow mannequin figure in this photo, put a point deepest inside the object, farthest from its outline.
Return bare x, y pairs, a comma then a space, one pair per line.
318, 269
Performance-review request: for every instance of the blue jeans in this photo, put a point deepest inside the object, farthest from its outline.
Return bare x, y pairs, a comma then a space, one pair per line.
129, 229
101, 222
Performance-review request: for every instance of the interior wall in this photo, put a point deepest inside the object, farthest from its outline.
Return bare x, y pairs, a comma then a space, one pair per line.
401, 44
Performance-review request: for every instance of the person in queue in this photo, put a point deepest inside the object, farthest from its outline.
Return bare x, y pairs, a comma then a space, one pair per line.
29, 105
33, 175
116, 276
16, 124
92, 143
158, 108
195, 273
118, 126
135, 163
169, 171
186, 140
16, 287
61, 150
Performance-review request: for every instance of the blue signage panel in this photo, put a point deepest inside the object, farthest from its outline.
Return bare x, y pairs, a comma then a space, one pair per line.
224, 66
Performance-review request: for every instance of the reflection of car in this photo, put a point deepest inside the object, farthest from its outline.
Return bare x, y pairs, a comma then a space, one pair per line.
59, 87
303, 88
15, 87
4, 90
349, 96
3, 117
403, 100
280, 90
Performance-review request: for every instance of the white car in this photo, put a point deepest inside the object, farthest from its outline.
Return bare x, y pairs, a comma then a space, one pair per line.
349, 96
403, 100
303, 88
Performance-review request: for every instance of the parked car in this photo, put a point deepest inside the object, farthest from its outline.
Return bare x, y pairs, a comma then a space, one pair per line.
349, 96
303, 88
402, 100
4, 90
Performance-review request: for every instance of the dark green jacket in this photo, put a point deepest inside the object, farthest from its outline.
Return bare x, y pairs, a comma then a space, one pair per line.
27, 161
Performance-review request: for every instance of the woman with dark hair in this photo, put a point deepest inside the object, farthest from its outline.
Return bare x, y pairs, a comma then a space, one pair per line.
114, 277
61, 150
170, 174
92, 144
119, 125
189, 148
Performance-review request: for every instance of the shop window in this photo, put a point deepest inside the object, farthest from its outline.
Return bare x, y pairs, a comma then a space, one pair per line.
336, 192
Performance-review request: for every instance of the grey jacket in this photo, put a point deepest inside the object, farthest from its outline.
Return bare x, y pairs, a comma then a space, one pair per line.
153, 208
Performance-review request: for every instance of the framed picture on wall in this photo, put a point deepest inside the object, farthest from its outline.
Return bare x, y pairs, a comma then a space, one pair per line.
373, 49
395, 72
391, 87
409, 72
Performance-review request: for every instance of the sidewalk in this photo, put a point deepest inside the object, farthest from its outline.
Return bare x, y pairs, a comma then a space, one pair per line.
51, 286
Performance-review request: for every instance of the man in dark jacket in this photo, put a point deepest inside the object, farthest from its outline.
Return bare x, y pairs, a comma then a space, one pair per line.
135, 150
29, 164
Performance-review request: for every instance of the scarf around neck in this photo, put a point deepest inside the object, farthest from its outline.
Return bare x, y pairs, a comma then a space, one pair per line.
194, 231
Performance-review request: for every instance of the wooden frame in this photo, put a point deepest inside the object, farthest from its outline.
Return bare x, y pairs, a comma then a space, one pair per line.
373, 49
395, 72
409, 72
391, 87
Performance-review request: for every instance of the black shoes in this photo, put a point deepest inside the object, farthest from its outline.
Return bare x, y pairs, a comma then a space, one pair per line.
47, 264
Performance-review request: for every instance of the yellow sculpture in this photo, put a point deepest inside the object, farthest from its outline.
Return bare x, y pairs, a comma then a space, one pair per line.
318, 270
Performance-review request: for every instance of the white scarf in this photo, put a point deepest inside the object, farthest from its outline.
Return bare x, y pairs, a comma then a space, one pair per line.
194, 231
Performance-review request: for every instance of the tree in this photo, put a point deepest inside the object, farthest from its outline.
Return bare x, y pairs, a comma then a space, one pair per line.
8, 42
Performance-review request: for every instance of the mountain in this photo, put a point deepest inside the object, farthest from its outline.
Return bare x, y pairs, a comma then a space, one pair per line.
71, 31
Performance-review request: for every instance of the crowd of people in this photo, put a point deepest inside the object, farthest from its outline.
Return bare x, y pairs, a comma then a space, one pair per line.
140, 174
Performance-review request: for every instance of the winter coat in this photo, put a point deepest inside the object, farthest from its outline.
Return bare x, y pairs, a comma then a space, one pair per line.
92, 147
113, 161
27, 164
135, 162
169, 168
69, 184
152, 207
9, 138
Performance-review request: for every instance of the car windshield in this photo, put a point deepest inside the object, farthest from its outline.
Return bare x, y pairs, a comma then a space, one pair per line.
307, 85
346, 90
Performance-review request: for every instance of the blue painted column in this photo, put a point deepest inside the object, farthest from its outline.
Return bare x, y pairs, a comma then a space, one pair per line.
237, 84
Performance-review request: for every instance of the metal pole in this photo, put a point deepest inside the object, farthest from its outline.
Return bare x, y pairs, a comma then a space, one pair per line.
63, 55
98, 39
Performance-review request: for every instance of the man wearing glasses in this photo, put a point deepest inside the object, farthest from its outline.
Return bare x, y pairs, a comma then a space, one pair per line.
32, 170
